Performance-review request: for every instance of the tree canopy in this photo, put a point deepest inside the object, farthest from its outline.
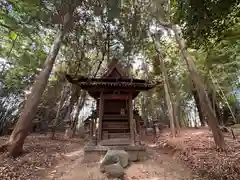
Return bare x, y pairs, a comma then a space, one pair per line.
103, 30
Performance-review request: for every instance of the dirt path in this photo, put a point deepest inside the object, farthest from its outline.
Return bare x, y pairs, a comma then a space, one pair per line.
159, 166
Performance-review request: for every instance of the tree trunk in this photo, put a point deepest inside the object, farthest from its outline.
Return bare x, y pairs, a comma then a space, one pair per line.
75, 93
226, 115
80, 105
44, 122
216, 108
222, 96
15, 143
168, 96
218, 113
145, 99
75, 90
200, 113
164, 116
57, 118
143, 113
176, 108
211, 118
176, 115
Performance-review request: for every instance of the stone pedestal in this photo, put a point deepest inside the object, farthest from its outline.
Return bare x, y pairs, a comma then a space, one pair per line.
138, 142
96, 153
92, 141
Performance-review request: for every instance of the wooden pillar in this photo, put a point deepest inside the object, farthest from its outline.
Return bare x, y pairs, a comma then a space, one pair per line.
94, 126
97, 106
138, 126
100, 117
91, 130
130, 108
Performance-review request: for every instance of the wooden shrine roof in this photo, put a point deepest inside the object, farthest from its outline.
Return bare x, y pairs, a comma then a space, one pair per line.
114, 78
111, 83
114, 69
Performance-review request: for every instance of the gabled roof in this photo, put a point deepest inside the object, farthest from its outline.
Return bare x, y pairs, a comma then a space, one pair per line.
114, 78
115, 71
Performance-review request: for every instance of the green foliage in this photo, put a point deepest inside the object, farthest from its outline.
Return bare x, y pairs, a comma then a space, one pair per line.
205, 20
103, 30
113, 9
232, 100
13, 35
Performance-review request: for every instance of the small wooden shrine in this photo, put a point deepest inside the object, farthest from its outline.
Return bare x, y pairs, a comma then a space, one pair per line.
114, 93
91, 121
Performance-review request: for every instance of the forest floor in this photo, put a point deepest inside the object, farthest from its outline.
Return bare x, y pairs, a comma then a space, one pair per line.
188, 156
42, 155
196, 149
159, 166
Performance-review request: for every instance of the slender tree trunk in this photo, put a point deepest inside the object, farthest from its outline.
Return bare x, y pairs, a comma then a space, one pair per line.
226, 115
176, 108
73, 99
218, 111
168, 96
164, 116
222, 95
176, 114
200, 113
15, 143
80, 105
44, 122
68, 118
216, 108
145, 118
56, 120
75, 90
211, 118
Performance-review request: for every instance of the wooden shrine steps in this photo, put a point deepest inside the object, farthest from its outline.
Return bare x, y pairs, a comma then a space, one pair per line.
115, 142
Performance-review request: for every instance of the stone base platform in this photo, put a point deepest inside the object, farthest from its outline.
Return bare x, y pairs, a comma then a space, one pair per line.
96, 153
